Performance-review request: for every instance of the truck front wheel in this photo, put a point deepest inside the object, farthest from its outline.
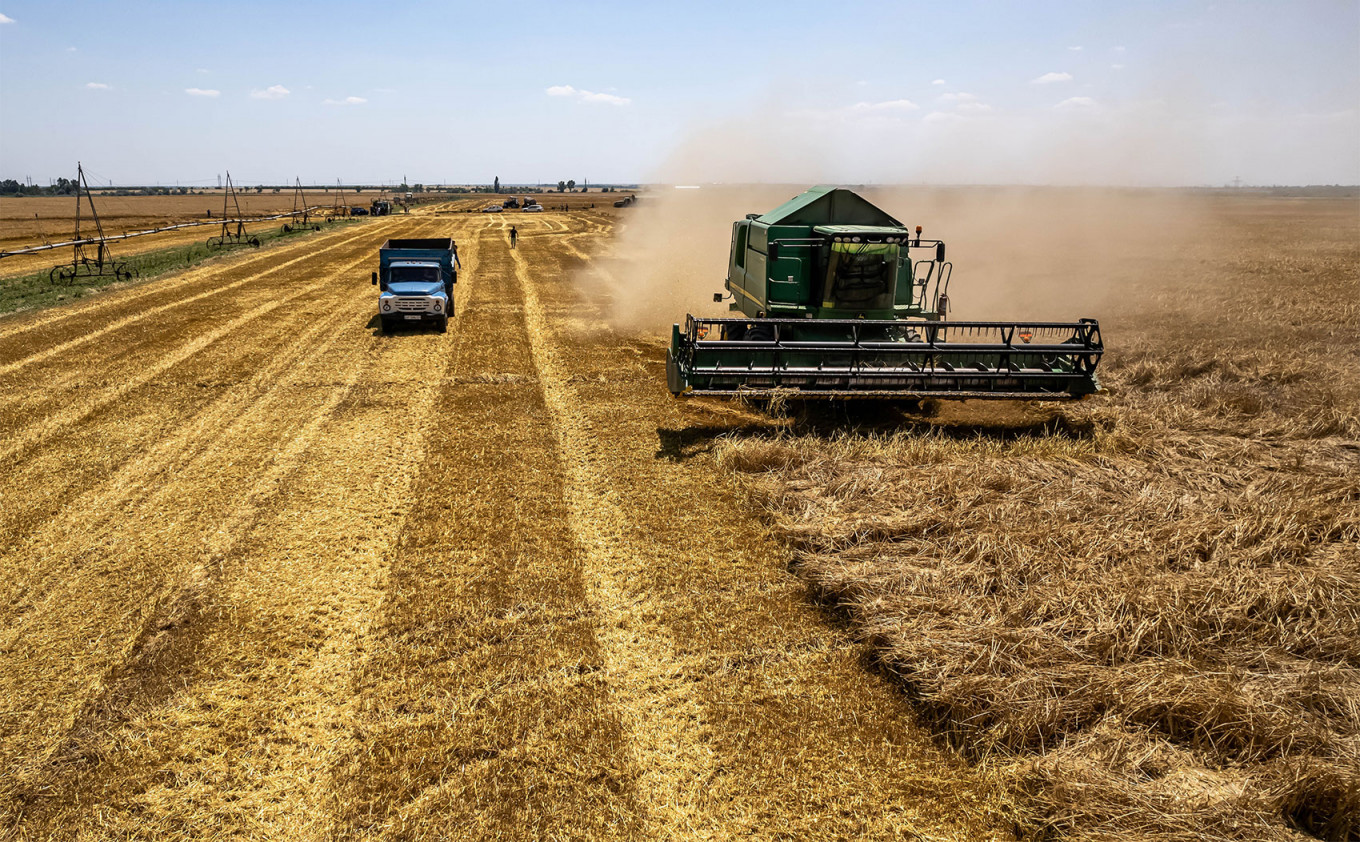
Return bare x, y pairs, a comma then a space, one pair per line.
387, 324
442, 324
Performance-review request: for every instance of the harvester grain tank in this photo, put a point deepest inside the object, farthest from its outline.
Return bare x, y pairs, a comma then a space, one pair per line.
837, 299
416, 277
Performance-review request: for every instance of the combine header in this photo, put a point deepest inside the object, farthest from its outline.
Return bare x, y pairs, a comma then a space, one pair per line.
840, 300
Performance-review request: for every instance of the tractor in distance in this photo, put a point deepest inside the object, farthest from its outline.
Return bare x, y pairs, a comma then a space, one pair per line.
836, 299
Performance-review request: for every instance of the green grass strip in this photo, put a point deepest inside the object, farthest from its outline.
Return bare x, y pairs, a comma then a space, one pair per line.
36, 291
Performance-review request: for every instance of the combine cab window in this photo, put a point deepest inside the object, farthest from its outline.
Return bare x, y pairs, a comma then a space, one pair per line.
422, 274
739, 248
861, 276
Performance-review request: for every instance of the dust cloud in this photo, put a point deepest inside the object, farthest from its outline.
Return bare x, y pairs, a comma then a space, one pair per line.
1021, 246
1041, 253
670, 254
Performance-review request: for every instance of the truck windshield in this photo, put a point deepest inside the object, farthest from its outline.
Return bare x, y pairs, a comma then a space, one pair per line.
421, 274
861, 276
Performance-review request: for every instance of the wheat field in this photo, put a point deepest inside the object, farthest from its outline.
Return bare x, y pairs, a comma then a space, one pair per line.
271, 574
1143, 610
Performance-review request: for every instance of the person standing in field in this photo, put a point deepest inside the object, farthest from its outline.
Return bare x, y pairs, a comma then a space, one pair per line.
514, 235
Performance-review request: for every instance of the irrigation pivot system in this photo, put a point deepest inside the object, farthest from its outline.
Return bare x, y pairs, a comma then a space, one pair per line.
302, 214
92, 257
233, 230
83, 262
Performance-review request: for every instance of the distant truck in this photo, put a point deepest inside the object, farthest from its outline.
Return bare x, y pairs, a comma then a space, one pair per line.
381, 207
511, 202
416, 277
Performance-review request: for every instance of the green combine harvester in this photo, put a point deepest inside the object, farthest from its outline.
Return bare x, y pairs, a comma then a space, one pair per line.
840, 300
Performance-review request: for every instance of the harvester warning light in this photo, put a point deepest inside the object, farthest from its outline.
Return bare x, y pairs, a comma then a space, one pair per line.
1026, 335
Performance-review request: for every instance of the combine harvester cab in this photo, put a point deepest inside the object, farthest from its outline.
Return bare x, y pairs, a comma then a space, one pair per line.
416, 278
839, 300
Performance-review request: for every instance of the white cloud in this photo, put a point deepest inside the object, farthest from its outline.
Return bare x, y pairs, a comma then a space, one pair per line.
1048, 78
349, 100
202, 92
6, 19
70, 49
1075, 49
886, 107
937, 82
1116, 67
607, 99
587, 96
1119, 49
1076, 102
271, 92
942, 117
963, 103
201, 70
97, 86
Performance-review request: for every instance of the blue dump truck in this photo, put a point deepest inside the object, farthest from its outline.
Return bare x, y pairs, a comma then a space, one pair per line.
416, 278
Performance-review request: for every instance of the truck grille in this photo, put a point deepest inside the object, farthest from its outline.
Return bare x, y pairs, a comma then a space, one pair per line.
412, 305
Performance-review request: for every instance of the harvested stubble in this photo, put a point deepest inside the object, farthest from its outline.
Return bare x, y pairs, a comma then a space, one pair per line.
1148, 607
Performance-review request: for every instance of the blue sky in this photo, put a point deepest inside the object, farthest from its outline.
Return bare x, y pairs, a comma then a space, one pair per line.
1076, 92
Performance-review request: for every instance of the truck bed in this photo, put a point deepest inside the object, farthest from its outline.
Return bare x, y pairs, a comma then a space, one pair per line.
443, 243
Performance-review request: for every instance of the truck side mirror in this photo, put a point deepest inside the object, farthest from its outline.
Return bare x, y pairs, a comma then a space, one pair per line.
939, 252
772, 250
375, 279
717, 297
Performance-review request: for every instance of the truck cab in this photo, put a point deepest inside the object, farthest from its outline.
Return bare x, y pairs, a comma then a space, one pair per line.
416, 278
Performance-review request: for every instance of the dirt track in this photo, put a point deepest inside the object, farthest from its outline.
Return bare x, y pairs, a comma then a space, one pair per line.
267, 573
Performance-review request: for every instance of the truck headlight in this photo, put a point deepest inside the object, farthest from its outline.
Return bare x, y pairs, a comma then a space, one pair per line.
437, 305
386, 307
